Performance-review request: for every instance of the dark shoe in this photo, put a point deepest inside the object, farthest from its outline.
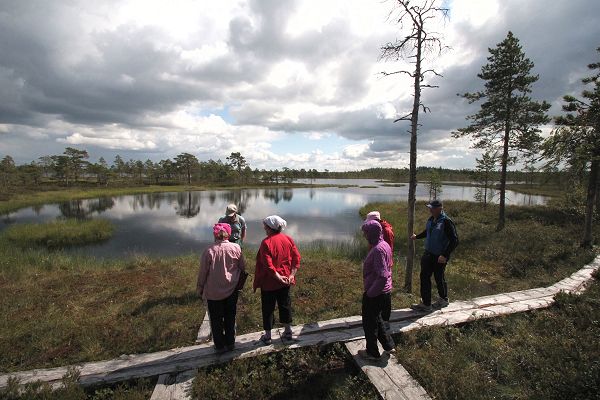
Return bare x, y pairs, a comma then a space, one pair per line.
421, 307
220, 350
265, 340
287, 336
230, 347
391, 351
440, 303
366, 356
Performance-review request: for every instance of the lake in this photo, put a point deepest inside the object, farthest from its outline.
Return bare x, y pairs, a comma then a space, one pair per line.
167, 224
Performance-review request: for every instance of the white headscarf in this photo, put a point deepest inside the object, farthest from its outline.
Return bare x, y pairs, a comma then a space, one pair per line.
373, 215
275, 222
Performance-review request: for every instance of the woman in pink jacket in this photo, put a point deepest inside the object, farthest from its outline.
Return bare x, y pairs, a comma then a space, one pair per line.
220, 269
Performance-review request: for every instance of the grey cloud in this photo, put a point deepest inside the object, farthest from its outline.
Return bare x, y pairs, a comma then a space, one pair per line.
123, 77
557, 39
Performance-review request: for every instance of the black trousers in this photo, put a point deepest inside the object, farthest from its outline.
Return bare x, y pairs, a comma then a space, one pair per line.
222, 320
284, 303
373, 324
430, 266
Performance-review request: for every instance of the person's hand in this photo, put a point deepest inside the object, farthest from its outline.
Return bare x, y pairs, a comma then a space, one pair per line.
442, 260
283, 279
413, 237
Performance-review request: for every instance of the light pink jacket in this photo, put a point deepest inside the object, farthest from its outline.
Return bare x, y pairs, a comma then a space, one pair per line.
220, 268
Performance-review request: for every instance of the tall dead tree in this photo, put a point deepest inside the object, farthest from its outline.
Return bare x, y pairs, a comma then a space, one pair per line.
414, 19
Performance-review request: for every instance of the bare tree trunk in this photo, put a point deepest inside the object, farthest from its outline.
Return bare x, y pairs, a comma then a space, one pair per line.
597, 209
589, 206
412, 185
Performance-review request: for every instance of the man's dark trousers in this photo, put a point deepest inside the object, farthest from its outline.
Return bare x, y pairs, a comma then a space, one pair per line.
373, 324
430, 266
222, 320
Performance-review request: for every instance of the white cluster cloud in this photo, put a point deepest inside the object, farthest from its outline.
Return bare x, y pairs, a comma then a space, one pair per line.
151, 79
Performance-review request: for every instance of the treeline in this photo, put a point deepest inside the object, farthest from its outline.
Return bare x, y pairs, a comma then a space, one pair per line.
73, 168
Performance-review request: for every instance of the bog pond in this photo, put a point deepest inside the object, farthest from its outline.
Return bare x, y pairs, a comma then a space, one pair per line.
167, 224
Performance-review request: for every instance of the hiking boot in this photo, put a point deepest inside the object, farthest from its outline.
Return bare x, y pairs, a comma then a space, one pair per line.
287, 335
421, 307
219, 350
366, 356
230, 347
440, 303
390, 351
265, 340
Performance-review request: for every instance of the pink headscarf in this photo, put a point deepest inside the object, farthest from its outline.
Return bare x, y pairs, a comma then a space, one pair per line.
221, 227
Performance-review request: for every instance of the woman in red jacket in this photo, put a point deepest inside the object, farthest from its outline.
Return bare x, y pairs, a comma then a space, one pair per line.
277, 261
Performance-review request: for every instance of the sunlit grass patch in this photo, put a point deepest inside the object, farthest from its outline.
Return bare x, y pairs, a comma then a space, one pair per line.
65, 316
545, 354
60, 233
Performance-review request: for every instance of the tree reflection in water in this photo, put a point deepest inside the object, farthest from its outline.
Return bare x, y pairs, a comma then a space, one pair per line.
188, 204
83, 209
276, 195
238, 197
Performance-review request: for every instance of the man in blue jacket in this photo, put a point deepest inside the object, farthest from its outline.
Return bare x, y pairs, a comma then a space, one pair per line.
440, 241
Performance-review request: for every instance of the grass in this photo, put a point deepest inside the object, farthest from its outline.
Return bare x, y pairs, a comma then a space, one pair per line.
57, 309
69, 389
538, 247
394, 184
62, 312
546, 354
60, 233
537, 189
302, 374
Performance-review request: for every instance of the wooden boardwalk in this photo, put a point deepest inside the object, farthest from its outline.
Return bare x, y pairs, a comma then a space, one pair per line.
174, 361
390, 378
204, 333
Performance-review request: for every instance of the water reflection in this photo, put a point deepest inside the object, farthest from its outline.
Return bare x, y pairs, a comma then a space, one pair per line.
188, 205
278, 194
82, 209
166, 224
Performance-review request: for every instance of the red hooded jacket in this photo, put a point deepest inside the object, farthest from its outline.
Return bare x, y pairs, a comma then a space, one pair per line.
277, 253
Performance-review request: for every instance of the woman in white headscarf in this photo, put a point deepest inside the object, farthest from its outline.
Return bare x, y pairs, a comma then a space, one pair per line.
277, 261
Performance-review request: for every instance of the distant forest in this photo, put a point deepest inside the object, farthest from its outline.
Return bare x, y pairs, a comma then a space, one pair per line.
73, 168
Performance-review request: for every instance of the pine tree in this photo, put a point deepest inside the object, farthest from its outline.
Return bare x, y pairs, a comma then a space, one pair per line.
508, 119
576, 140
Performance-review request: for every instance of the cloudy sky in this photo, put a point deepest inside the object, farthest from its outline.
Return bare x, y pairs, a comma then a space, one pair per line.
288, 83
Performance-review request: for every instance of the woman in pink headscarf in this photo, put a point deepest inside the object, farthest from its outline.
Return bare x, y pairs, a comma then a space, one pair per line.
220, 269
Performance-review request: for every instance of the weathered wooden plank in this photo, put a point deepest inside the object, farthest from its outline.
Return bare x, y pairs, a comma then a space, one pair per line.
204, 333
174, 386
391, 379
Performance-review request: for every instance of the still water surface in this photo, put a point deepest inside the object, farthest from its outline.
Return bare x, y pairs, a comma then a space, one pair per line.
166, 224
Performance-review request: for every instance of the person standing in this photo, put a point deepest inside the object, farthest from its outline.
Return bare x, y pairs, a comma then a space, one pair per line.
388, 230
377, 295
220, 269
277, 262
388, 236
440, 241
237, 223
